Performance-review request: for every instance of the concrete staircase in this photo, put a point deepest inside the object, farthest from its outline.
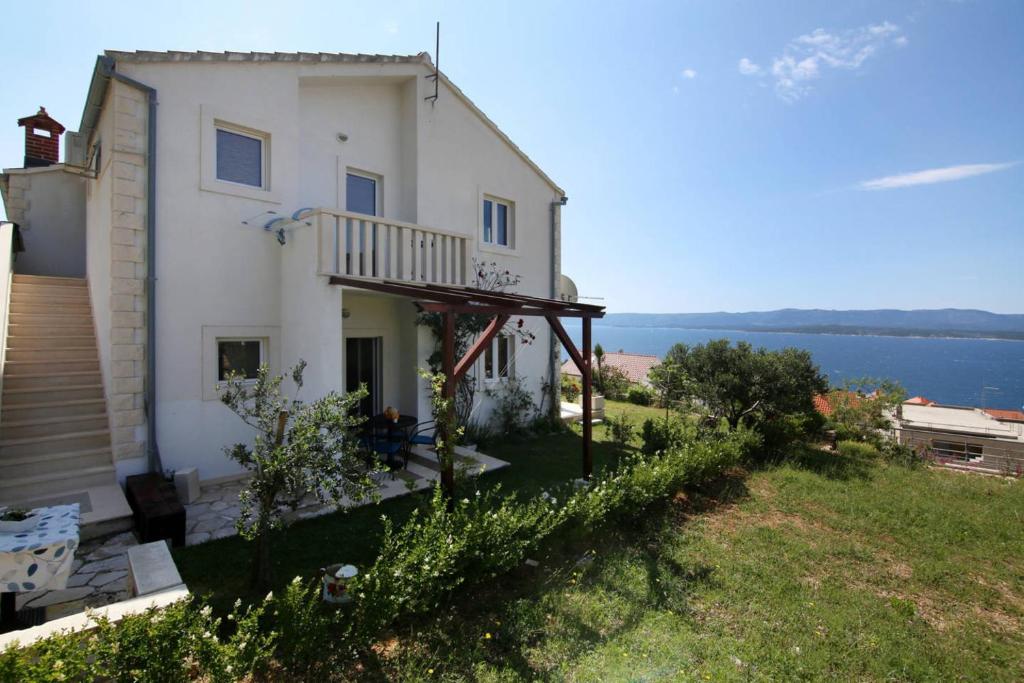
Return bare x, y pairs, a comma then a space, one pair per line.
54, 432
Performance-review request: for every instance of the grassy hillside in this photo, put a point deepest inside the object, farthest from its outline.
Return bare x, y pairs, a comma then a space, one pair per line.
821, 570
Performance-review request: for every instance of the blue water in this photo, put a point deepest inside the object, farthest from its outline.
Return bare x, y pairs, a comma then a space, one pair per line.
969, 372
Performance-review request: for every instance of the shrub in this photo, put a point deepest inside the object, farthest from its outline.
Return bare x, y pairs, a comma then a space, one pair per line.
621, 429
612, 383
513, 408
856, 449
900, 454
641, 396
663, 434
420, 564
571, 389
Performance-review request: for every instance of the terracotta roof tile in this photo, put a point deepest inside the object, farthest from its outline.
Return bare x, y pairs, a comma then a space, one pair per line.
635, 366
1007, 415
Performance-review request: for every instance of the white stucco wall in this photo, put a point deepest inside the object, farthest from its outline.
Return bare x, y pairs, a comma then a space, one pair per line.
52, 223
214, 273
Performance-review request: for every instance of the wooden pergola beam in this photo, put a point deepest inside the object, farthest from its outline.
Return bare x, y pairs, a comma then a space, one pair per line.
511, 311
480, 345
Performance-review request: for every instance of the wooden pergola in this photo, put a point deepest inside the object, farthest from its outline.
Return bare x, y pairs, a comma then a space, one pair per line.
450, 301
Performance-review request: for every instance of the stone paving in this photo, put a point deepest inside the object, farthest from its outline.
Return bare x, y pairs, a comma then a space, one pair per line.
99, 575
214, 513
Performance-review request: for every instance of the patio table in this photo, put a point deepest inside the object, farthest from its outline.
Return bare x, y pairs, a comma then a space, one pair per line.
405, 424
35, 560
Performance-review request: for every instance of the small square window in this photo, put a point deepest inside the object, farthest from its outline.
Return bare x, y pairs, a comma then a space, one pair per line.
239, 356
240, 158
498, 219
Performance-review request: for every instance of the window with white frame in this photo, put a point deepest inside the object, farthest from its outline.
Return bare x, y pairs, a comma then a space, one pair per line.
241, 156
498, 222
241, 357
499, 357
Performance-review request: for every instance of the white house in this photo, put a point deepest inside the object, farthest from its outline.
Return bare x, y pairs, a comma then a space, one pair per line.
206, 198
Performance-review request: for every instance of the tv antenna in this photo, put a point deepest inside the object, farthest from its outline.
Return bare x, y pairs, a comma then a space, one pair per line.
436, 76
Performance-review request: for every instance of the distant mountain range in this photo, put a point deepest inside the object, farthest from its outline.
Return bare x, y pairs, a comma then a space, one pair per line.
945, 322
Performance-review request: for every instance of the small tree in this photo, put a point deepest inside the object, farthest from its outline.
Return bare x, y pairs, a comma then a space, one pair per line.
300, 449
599, 378
862, 409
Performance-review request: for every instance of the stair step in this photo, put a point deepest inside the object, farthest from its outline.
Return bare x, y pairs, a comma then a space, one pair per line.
45, 426
51, 280
52, 307
50, 295
51, 380
17, 397
25, 341
67, 353
42, 330
22, 368
22, 488
83, 319
59, 461
72, 441
20, 412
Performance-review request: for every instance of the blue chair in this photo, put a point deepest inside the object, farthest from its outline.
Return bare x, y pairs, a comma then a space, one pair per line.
424, 434
389, 443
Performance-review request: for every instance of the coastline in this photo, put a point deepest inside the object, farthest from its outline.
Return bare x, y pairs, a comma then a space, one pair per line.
775, 330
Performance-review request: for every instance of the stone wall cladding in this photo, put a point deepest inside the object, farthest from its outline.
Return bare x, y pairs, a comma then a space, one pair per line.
128, 273
18, 186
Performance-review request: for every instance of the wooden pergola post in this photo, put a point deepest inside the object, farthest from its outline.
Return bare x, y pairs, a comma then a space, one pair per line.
588, 404
451, 383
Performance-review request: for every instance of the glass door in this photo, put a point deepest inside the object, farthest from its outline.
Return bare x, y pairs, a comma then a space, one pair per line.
363, 366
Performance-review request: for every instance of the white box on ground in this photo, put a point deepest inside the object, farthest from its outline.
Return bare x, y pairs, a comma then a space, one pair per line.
186, 481
151, 568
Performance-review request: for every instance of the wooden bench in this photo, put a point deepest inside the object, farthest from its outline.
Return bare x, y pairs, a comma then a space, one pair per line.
158, 513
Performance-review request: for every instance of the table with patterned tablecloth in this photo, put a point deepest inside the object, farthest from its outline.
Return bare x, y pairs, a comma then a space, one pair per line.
40, 558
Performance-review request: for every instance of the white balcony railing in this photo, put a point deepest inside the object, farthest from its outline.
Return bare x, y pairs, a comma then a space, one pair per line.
358, 245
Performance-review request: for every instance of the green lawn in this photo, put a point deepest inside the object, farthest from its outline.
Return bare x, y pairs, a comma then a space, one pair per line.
818, 571
220, 569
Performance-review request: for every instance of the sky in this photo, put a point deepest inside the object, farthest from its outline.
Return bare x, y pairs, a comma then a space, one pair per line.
717, 155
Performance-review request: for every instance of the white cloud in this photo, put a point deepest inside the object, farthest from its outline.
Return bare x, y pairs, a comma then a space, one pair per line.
391, 27
689, 74
806, 58
932, 175
748, 68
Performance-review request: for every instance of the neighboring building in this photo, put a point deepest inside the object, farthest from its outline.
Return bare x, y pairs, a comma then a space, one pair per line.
635, 366
207, 226
987, 439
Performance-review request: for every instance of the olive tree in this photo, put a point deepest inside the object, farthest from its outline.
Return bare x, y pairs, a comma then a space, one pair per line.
300, 450
741, 384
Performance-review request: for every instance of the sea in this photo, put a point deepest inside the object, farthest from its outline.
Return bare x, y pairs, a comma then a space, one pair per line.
986, 373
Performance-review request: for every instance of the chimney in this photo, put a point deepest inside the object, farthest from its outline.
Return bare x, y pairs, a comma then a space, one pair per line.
42, 139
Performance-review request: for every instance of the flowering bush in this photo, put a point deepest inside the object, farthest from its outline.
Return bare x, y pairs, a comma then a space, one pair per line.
420, 564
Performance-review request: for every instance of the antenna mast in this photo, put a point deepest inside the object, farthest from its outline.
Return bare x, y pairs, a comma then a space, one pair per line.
436, 76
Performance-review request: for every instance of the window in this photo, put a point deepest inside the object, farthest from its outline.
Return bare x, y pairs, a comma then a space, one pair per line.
239, 356
957, 450
360, 194
498, 217
498, 358
240, 158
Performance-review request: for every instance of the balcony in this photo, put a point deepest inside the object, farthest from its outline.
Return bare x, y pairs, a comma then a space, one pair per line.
358, 245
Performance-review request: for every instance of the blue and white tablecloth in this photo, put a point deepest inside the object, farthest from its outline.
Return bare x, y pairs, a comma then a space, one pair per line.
41, 558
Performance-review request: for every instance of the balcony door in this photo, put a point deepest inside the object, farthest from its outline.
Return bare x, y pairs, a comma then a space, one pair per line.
362, 195
363, 366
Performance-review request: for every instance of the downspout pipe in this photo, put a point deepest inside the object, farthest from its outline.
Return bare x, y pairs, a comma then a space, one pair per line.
556, 208
107, 67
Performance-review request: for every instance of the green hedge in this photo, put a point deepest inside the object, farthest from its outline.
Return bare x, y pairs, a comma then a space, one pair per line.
419, 565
